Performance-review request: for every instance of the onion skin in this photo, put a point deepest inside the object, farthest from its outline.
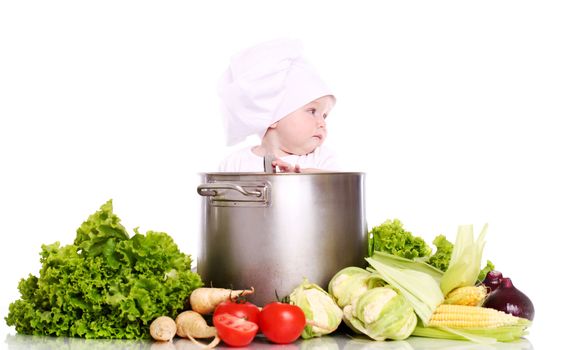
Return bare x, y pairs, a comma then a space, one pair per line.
509, 299
492, 280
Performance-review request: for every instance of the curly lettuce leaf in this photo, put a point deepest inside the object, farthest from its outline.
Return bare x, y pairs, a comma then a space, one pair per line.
390, 237
485, 270
105, 285
441, 257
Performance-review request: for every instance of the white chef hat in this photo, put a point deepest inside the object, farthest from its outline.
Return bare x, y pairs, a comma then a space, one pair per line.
265, 83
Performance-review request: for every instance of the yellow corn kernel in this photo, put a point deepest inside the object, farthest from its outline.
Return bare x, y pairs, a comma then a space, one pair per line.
464, 316
470, 295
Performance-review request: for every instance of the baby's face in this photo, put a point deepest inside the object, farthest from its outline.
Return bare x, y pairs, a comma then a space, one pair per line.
303, 130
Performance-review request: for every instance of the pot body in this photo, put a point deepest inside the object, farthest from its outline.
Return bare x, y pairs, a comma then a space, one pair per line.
269, 231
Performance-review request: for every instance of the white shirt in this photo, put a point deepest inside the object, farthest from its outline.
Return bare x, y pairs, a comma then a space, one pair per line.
245, 160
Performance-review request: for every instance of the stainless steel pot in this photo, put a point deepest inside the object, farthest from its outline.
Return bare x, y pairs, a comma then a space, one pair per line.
269, 231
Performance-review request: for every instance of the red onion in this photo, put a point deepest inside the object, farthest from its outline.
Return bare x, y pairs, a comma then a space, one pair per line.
492, 280
509, 299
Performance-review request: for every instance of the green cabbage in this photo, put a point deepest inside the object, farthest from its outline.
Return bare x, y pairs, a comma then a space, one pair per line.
381, 313
319, 308
349, 283
419, 286
105, 285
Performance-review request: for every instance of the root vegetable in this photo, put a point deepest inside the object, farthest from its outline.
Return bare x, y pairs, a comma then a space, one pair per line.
190, 322
163, 328
192, 325
205, 300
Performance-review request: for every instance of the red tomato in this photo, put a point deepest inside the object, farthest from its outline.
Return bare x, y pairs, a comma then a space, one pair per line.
247, 311
282, 323
233, 330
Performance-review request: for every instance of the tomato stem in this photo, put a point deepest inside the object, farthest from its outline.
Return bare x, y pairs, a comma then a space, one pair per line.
284, 300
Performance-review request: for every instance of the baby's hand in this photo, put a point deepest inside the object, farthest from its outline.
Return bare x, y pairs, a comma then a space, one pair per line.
285, 167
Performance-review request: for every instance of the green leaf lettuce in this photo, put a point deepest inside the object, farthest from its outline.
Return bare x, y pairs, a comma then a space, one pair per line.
390, 237
441, 257
105, 285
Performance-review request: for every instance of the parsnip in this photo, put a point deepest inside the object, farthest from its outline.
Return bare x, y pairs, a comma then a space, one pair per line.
163, 328
192, 325
205, 300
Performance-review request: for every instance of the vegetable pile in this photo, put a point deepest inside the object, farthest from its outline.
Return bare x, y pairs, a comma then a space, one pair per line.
236, 321
391, 237
407, 291
104, 285
110, 285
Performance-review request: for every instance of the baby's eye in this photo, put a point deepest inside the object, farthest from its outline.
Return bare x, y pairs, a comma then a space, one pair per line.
325, 115
312, 111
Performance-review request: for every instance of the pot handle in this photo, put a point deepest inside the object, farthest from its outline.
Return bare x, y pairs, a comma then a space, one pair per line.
211, 190
248, 194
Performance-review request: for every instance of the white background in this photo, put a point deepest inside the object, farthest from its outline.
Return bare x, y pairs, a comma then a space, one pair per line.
453, 109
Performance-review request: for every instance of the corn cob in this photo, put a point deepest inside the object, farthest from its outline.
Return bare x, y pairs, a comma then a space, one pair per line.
470, 295
470, 317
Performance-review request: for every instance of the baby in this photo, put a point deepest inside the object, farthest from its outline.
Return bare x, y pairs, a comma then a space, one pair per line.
270, 90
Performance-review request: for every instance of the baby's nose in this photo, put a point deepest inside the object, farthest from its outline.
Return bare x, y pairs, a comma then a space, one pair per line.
321, 121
